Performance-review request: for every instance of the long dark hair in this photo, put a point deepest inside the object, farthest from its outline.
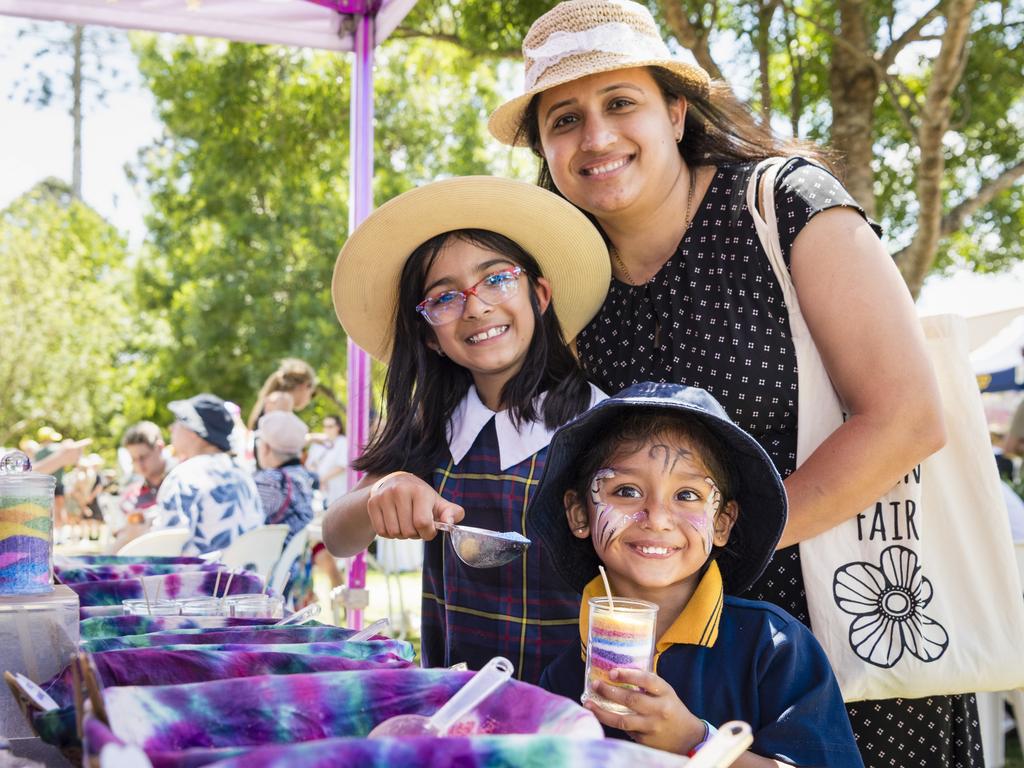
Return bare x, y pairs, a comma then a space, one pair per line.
719, 129
423, 389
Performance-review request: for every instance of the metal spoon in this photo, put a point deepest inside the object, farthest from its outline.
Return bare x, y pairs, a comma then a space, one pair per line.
483, 684
479, 548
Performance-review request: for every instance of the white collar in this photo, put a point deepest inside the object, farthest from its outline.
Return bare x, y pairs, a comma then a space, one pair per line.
514, 445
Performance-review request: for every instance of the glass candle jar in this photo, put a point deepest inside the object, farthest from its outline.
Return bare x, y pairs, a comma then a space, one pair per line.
26, 528
619, 637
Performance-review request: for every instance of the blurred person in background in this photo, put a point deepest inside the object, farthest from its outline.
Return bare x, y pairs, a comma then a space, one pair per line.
284, 484
286, 489
289, 388
328, 458
84, 484
150, 464
1013, 442
54, 456
29, 447
48, 440
206, 492
294, 377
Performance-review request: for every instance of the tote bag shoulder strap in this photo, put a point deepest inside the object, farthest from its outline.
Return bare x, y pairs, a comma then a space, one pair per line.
764, 176
819, 408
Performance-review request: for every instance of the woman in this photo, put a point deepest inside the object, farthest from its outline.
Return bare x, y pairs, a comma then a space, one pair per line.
660, 158
294, 377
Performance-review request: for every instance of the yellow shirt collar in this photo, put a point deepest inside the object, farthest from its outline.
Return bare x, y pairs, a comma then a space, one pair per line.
696, 625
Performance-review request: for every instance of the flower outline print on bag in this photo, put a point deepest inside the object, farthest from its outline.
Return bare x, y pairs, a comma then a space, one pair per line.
887, 601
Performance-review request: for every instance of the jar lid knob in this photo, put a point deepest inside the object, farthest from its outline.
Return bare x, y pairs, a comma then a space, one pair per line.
15, 461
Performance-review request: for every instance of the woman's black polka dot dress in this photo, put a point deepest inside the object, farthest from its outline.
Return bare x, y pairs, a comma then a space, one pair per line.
714, 317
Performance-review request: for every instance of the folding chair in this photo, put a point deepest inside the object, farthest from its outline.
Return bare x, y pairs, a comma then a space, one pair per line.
256, 550
162, 542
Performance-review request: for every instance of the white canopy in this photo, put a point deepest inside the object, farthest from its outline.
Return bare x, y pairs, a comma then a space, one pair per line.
310, 23
1001, 360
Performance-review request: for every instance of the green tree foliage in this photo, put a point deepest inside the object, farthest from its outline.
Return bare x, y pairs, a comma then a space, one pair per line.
63, 319
249, 196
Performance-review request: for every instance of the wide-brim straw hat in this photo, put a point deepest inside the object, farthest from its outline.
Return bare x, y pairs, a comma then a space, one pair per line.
578, 38
756, 484
570, 251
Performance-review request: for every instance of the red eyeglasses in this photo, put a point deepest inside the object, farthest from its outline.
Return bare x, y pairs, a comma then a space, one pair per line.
496, 288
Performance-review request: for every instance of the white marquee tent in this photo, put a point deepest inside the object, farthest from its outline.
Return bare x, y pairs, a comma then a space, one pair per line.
327, 24
339, 25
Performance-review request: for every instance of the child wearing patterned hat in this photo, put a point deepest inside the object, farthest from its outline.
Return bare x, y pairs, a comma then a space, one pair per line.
684, 509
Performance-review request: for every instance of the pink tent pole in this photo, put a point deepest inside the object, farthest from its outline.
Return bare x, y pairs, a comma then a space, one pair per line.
360, 205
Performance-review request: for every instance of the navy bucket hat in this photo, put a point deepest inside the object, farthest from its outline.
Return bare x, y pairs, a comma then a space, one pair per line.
207, 416
757, 486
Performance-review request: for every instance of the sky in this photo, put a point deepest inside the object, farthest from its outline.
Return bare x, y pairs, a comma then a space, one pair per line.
37, 144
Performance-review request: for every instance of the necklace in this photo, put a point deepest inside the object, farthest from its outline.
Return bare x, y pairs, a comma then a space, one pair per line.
689, 202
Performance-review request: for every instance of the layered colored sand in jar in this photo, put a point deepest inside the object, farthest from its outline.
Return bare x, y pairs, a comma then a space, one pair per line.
26, 542
620, 638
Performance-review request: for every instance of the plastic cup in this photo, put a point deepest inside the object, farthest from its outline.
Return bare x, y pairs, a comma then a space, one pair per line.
619, 639
256, 606
139, 607
202, 606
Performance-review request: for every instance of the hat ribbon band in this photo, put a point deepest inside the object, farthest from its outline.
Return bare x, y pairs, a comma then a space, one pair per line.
613, 37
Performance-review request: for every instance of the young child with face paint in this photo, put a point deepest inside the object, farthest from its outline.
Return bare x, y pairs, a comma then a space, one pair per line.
684, 509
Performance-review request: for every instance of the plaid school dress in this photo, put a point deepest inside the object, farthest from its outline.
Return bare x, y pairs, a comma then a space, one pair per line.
522, 610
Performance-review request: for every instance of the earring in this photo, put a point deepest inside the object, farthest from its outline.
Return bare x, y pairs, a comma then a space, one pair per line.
581, 529
440, 352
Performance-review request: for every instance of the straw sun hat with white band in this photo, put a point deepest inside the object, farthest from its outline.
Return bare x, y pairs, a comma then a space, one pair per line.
578, 38
570, 251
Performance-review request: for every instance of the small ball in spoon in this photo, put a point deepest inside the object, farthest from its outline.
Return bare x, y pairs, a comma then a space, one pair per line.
469, 548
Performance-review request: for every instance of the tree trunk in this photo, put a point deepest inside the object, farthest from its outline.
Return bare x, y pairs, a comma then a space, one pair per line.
764, 19
796, 101
854, 86
76, 113
917, 258
694, 36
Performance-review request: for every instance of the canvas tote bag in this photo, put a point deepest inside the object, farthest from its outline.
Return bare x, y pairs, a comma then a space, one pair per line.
918, 595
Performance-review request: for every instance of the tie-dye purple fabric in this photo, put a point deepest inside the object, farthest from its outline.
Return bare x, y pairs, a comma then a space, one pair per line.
151, 666
513, 751
176, 664
305, 707
118, 626
172, 585
382, 651
97, 736
76, 574
481, 752
143, 666
236, 635
78, 560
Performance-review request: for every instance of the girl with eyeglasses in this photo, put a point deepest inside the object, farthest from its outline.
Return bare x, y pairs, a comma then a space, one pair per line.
469, 288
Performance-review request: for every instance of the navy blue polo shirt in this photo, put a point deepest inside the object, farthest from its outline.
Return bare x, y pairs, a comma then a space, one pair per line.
733, 659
